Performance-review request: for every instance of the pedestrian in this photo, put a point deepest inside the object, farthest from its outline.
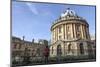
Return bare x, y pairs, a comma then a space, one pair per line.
46, 54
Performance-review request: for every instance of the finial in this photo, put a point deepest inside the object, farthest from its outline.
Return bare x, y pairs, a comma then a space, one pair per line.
33, 40
23, 38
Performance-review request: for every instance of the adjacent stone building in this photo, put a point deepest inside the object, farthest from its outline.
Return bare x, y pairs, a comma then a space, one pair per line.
22, 49
70, 36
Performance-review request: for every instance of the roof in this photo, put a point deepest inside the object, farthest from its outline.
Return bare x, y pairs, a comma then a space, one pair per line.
69, 15
15, 38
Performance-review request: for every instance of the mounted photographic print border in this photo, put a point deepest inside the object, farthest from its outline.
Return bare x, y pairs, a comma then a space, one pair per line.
52, 33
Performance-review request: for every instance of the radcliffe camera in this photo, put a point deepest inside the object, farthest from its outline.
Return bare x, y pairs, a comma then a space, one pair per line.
52, 33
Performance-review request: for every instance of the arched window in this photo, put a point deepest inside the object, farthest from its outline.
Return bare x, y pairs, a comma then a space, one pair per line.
15, 45
19, 46
68, 28
78, 28
38, 52
60, 38
60, 29
69, 48
26, 52
81, 48
59, 52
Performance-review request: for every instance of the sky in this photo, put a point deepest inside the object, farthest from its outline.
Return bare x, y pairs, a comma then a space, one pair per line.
34, 20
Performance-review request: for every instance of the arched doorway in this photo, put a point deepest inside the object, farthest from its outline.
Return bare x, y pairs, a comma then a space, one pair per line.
81, 48
69, 48
59, 52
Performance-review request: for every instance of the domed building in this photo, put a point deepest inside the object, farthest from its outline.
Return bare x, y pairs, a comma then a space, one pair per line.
70, 35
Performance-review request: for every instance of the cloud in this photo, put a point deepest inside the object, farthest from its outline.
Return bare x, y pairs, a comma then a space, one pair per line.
37, 10
32, 8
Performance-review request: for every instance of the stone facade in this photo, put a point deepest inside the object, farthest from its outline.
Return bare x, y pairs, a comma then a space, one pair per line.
23, 48
70, 36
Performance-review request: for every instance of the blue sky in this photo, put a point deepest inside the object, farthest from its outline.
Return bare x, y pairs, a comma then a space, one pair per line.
33, 20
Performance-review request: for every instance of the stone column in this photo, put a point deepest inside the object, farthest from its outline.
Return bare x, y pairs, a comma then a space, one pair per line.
65, 31
74, 31
82, 32
71, 30
57, 33
53, 36
87, 29
85, 32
